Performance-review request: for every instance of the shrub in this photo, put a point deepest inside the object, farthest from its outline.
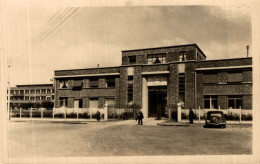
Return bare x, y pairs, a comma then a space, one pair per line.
36, 114
126, 116
84, 115
47, 113
47, 104
59, 115
184, 116
71, 115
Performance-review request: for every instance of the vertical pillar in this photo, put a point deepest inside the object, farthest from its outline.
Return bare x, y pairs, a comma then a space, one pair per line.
145, 98
179, 112
31, 112
240, 114
41, 113
105, 111
20, 112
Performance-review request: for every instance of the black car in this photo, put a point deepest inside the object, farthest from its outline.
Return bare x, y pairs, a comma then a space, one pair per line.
215, 118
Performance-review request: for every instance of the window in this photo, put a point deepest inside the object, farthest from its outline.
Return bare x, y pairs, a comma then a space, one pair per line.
43, 97
132, 59
37, 97
111, 102
156, 58
235, 77
32, 91
110, 82
38, 90
11, 98
235, 102
21, 91
31, 98
63, 84
130, 90
63, 101
26, 91
77, 84
26, 97
182, 88
210, 78
43, 90
52, 90
210, 102
12, 91
93, 102
48, 98
93, 83
52, 97
48, 91
182, 55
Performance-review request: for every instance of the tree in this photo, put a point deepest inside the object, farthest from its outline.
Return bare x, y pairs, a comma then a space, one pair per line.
26, 105
47, 104
36, 105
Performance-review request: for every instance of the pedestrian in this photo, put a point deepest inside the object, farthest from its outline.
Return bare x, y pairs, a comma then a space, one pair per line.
191, 116
98, 115
140, 117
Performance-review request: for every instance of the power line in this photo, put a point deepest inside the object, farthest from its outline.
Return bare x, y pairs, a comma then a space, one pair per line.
50, 32
52, 24
46, 26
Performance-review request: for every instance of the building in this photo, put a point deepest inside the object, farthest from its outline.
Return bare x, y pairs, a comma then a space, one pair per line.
35, 93
157, 79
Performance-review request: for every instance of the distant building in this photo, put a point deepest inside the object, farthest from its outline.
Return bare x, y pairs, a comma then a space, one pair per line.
31, 93
156, 79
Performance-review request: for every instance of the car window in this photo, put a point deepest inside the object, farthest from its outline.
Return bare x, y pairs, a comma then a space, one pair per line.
216, 115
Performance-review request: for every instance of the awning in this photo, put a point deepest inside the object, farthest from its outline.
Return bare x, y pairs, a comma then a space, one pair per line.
77, 84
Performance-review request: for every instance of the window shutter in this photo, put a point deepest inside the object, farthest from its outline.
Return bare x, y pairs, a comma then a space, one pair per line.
235, 77
209, 79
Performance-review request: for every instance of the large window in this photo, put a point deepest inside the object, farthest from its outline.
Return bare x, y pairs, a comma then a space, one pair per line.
210, 78
182, 88
130, 91
235, 77
38, 91
27, 91
26, 97
156, 58
182, 56
31, 98
110, 82
235, 102
93, 82
43, 97
38, 98
132, 59
32, 91
43, 90
63, 101
63, 84
210, 102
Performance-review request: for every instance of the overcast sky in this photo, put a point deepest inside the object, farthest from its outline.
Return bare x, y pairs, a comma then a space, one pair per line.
97, 35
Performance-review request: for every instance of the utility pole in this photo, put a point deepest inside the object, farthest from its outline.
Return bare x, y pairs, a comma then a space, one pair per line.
247, 52
9, 64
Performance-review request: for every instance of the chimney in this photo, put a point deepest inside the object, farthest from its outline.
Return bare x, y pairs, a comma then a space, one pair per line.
247, 50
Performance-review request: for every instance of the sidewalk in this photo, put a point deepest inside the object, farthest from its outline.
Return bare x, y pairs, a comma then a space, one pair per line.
202, 122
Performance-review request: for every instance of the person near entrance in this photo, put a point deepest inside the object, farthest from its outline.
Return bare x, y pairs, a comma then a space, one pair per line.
140, 117
191, 116
98, 115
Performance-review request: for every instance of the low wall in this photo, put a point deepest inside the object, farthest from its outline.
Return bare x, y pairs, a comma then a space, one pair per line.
225, 111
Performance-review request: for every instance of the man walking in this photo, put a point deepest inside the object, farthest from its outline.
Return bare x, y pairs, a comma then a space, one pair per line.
140, 117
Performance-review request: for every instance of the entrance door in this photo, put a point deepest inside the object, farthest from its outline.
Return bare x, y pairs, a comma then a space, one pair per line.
157, 102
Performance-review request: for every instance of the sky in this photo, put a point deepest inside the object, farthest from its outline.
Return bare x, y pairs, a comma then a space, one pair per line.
97, 35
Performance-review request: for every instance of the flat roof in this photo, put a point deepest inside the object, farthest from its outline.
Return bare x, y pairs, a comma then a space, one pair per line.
87, 68
34, 85
184, 45
224, 59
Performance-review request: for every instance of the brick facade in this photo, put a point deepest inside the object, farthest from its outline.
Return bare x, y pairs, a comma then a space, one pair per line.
193, 68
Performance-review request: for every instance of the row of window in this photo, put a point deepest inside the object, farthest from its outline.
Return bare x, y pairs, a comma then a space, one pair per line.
233, 102
93, 102
32, 91
93, 83
33, 98
231, 77
157, 58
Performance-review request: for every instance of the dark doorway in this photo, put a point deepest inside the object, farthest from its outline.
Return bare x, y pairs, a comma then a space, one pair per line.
157, 101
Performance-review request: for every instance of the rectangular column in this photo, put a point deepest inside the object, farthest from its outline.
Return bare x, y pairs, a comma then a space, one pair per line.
144, 97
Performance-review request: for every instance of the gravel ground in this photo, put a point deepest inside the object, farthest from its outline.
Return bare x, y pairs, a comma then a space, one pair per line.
123, 138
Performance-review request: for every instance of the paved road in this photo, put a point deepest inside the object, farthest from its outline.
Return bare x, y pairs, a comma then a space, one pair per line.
59, 139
